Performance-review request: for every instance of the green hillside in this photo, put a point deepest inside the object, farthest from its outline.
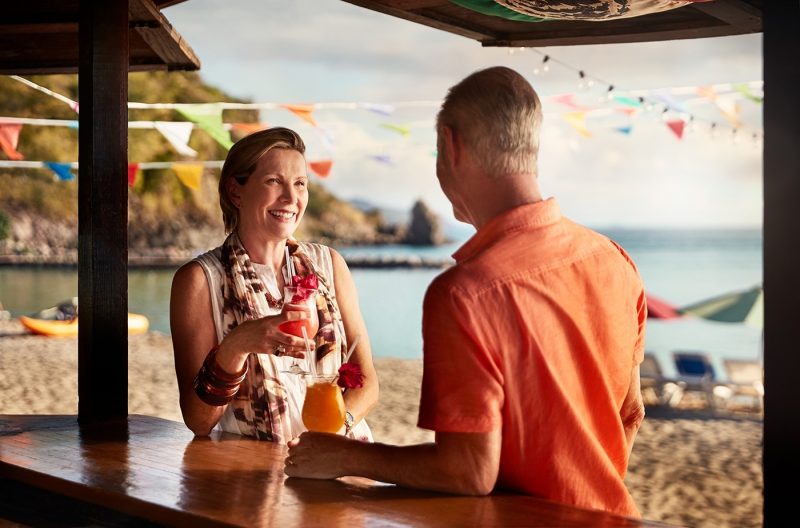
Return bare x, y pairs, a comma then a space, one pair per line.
163, 213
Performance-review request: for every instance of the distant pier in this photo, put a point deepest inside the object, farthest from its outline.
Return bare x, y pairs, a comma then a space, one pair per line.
398, 261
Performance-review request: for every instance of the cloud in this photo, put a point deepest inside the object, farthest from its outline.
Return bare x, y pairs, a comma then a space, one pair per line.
278, 51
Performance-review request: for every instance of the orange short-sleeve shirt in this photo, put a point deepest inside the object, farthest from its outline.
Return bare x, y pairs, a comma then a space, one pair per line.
536, 330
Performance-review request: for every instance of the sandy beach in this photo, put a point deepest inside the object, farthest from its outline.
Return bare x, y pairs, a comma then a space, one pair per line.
689, 467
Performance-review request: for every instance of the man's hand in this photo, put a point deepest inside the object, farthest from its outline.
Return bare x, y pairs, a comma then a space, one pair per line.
317, 455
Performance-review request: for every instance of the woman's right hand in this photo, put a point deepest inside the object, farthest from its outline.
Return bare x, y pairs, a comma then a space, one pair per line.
262, 336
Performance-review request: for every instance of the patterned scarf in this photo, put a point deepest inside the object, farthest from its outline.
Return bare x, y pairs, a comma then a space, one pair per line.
261, 404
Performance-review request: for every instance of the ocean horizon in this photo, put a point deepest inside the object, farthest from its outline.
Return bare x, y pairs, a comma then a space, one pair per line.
679, 266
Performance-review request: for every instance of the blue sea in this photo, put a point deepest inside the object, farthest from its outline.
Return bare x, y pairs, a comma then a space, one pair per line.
678, 266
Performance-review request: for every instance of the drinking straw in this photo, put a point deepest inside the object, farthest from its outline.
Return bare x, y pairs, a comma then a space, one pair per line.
352, 348
312, 365
289, 265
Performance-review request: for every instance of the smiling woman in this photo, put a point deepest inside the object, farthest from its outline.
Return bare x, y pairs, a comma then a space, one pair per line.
235, 360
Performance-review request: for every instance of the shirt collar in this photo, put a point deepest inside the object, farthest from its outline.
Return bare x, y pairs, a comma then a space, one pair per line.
537, 214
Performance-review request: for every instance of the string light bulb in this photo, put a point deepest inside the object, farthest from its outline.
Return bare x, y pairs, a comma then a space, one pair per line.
543, 67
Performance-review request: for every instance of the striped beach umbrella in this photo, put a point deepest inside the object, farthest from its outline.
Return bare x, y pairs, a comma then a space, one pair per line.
660, 309
737, 307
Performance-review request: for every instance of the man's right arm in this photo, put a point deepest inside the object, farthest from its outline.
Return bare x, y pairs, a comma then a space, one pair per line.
462, 463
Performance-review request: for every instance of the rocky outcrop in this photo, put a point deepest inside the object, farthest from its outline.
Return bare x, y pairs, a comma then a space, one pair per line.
425, 228
35, 239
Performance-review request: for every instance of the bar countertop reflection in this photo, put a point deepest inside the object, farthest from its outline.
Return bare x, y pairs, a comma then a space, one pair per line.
157, 470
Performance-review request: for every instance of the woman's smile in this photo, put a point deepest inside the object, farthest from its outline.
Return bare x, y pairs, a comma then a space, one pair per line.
283, 215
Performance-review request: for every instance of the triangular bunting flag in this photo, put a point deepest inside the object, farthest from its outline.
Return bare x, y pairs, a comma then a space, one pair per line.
745, 90
624, 130
189, 174
328, 134
708, 92
628, 101
627, 111
248, 128
403, 130
9, 138
133, 168
383, 158
730, 109
304, 112
209, 118
63, 170
578, 121
321, 168
670, 102
382, 109
177, 134
566, 100
676, 125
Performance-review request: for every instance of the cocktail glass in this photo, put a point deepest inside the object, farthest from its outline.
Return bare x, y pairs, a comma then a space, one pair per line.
323, 408
298, 298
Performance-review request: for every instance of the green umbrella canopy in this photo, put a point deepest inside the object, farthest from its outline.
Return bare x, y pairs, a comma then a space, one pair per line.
737, 307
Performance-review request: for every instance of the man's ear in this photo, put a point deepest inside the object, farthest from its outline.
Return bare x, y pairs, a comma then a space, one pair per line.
451, 143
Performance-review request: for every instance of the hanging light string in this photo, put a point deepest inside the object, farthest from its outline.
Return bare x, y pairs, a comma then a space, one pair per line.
646, 100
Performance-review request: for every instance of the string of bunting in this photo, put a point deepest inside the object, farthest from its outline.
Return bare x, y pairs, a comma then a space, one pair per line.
613, 101
673, 111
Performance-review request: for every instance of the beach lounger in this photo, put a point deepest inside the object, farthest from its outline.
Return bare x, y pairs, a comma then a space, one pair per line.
656, 389
696, 375
746, 382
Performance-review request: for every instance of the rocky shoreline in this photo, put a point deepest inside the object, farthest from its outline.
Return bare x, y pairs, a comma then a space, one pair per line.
35, 240
166, 261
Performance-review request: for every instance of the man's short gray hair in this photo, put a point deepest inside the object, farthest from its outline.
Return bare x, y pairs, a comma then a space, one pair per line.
498, 115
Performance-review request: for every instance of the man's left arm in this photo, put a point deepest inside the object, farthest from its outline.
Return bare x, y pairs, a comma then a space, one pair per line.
632, 410
462, 463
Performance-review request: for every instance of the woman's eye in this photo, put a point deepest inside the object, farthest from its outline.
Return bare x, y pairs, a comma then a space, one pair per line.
273, 180
300, 183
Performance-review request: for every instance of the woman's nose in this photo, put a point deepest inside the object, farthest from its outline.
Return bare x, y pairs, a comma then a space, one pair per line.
289, 194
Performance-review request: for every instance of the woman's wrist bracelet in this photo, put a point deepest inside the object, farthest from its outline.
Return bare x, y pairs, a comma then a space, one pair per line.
213, 385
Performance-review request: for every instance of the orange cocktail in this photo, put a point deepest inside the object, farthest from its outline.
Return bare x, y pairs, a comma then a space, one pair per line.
298, 298
323, 409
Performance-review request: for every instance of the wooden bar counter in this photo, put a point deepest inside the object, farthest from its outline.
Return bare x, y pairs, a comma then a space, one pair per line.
156, 470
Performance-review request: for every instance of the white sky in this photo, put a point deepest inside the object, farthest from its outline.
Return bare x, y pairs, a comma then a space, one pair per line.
310, 51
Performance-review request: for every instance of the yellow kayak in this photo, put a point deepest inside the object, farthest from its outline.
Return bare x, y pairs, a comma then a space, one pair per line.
137, 324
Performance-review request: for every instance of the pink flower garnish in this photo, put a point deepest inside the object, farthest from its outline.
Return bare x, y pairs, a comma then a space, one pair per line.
350, 376
308, 281
305, 285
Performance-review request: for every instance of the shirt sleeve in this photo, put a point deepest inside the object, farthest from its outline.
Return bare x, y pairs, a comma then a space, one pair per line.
462, 385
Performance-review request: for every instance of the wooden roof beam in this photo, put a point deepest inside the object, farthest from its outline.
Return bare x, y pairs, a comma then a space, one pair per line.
605, 33
734, 13
426, 18
158, 33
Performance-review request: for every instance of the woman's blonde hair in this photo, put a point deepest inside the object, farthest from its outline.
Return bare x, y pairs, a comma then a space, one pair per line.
242, 160
498, 114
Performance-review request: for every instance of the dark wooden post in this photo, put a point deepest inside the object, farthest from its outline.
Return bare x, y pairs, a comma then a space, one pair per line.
781, 261
103, 212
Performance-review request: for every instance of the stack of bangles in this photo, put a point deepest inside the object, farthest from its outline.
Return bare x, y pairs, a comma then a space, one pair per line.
215, 386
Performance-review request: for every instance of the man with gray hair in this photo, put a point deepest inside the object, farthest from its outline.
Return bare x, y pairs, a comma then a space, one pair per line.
532, 341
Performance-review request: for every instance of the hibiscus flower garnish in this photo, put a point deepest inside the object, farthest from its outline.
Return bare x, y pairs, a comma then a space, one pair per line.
350, 376
305, 286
